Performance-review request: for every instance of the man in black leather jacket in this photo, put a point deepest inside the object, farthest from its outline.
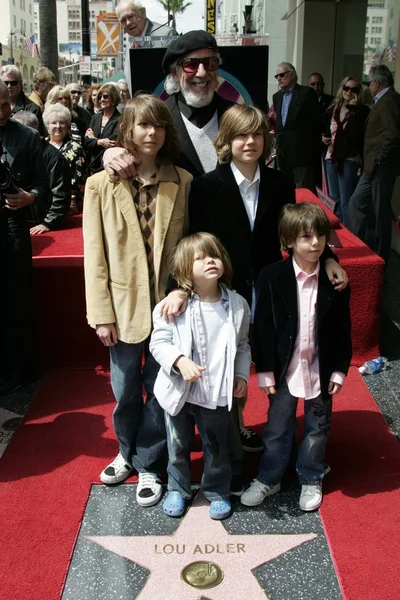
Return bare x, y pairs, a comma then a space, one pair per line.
23, 153
50, 217
19, 101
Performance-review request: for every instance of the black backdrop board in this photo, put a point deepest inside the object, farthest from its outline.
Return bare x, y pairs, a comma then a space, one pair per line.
247, 64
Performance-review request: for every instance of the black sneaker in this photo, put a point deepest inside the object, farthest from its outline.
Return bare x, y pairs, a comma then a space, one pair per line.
149, 489
251, 442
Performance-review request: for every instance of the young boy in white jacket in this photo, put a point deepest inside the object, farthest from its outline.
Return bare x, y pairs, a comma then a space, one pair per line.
205, 361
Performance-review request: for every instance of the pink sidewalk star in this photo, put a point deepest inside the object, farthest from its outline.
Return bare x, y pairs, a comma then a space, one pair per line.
199, 538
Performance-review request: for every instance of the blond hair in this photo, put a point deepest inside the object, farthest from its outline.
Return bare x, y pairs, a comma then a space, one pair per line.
194, 246
57, 92
338, 101
241, 119
298, 218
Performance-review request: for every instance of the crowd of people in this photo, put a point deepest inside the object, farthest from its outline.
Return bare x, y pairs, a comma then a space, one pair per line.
179, 207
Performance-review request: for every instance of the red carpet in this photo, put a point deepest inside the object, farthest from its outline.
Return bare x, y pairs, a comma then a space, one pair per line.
66, 439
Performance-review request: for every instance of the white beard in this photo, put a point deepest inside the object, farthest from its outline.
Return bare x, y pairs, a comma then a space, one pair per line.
195, 100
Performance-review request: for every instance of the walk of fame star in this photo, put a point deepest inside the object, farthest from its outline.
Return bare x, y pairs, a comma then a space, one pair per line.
199, 538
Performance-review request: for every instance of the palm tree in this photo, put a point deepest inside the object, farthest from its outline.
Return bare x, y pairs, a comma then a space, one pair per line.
174, 7
48, 35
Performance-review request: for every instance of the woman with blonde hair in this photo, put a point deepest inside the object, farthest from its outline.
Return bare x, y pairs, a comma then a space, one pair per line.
61, 95
130, 228
344, 136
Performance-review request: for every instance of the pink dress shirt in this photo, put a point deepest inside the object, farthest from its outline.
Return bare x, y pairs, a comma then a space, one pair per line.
302, 375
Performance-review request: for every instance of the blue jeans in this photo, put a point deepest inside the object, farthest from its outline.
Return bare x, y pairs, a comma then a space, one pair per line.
213, 428
341, 185
140, 428
279, 432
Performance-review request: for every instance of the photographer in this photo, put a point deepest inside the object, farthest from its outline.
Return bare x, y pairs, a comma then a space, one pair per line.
27, 184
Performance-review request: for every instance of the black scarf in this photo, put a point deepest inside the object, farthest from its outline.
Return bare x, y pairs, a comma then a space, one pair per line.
198, 116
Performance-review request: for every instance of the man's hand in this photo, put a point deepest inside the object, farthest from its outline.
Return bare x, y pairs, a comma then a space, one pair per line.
19, 199
334, 388
106, 143
189, 370
239, 387
38, 229
107, 334
173, 305
119, 163
268, 390
326, 140
336, 275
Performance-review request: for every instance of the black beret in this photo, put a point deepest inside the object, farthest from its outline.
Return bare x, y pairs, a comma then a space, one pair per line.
189, 42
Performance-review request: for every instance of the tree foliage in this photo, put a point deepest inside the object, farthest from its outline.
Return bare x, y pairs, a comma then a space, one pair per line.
175, 7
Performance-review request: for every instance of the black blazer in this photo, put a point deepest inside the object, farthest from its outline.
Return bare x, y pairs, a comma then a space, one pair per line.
298, 142
325, 102
276, 323
216, 206
188, 158
110, 131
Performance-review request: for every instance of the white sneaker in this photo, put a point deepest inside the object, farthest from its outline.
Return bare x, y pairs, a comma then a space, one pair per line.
311, 497
257, 493
149, 489
118, 470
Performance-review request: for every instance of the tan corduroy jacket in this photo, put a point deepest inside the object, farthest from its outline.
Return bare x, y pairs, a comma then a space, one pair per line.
116, 271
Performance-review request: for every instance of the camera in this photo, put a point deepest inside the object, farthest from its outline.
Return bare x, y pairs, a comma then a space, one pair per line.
6, 176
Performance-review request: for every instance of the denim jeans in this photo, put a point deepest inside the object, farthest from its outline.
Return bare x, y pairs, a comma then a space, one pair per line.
140, 428
279, 432
342, 185
213, 428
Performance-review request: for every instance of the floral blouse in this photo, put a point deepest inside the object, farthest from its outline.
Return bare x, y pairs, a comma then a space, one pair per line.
75, 156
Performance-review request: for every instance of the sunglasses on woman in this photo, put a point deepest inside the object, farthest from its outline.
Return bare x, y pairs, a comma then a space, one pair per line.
104, 97
191, 65
348, 88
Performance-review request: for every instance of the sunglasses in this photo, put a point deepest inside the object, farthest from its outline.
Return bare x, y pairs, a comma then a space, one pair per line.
76, 92
13, 83
103, 97
279, 75
354, 90
191, 65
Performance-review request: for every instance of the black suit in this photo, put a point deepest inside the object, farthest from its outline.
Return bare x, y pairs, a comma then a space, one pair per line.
324, 101
110, 131
23, 103
298, 141
369, 212
188, 158
216, 206
276, 323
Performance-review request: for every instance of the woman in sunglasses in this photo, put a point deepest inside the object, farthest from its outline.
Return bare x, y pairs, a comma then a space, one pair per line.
103, 129
344, 136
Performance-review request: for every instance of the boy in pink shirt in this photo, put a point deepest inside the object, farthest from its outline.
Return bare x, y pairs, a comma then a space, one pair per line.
302, 349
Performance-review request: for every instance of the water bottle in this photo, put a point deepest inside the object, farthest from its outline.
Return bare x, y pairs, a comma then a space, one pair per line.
376, 365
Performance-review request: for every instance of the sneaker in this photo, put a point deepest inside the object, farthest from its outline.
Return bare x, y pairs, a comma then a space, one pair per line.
251, 442
149, 489
220, 509
117, 471
257, 493
311, 497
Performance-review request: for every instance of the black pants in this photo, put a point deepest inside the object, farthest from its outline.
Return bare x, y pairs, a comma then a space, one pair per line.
369, 212
16, 298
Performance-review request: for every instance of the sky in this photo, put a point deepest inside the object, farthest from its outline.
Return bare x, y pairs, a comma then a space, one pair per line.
192, 18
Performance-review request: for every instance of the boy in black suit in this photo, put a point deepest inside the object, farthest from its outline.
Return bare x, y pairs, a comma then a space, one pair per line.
302, 349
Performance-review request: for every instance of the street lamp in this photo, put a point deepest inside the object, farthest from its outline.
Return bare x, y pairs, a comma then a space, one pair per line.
11, 34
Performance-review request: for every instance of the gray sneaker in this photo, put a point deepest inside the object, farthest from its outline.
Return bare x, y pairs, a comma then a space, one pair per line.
257, 493
118, 470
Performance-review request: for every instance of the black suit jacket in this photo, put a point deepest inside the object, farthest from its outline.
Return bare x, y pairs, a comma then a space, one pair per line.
382, 134
325, 102
276, 323
216, 206
110, 131
188, 158
298, 141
